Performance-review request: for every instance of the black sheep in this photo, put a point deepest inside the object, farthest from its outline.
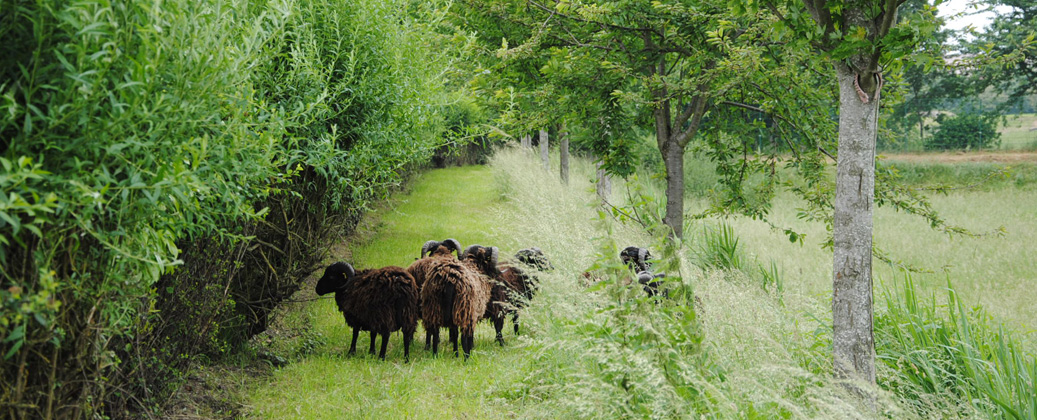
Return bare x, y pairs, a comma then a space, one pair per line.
381, 301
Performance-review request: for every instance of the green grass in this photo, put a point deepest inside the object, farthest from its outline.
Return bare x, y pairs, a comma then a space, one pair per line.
1017, 132
457, 202
750, 342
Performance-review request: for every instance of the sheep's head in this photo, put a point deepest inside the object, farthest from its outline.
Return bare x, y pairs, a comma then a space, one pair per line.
636, 258
483, 257
534, 257
335, 277
448, 246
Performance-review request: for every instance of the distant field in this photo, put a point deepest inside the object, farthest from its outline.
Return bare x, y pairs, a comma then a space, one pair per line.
1019, 132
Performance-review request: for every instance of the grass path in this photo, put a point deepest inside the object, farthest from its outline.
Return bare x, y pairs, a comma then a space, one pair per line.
326, 384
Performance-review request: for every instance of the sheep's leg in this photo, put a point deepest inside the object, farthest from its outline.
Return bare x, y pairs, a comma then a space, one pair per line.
498, 325
385, 344
435, 340
428, 338
374, 335
352, 346
407, 337
514, 320
453, 338
467, 342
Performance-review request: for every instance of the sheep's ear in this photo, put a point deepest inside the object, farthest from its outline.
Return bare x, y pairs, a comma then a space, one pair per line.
452, 243
493, 255
428, 247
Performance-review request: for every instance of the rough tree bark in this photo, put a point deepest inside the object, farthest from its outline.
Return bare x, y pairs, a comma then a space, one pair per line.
853, 341
563, 160
543, 150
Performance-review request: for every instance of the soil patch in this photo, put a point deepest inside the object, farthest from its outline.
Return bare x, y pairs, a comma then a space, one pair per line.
960, 157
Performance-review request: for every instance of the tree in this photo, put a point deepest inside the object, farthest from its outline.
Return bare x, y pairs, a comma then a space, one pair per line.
857, 37
1010, 34
673, 63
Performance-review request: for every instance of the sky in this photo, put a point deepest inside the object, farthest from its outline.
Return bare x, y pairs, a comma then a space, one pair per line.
952, 10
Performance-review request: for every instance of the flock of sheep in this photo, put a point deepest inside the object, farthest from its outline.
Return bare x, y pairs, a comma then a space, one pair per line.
447, 291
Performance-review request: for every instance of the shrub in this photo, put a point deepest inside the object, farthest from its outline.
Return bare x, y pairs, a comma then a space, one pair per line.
966, 131
169, 174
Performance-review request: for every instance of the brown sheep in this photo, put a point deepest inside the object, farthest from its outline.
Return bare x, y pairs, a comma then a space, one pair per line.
434, 249
521, 281
454, 296
419, 269
381, 301
508, 286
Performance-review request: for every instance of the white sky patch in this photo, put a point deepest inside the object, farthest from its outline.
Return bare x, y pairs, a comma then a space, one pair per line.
961, 14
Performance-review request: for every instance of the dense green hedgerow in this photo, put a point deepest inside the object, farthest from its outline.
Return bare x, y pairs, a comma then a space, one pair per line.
170, 170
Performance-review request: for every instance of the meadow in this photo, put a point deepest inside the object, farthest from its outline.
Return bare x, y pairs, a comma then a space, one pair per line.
743, 335
1019, 132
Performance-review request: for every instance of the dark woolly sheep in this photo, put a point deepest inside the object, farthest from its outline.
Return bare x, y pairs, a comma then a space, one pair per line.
535, 258
381, 301
419, 268
510, 286
522, 283
434, 249
454, 296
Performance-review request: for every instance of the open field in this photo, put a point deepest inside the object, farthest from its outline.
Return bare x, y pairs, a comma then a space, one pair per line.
1019, 132
960, 156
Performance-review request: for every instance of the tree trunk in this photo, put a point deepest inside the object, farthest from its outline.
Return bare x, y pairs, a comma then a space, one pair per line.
852, 339
604, 184
527, 141
543, 150
673, 159
563, 160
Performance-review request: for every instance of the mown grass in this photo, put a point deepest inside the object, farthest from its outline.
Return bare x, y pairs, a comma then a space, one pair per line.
457, 202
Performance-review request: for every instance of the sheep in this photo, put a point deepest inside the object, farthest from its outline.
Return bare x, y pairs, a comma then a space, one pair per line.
419, 268
454, 296
637, 259
434, 249
381, 301
510, 286
522, 284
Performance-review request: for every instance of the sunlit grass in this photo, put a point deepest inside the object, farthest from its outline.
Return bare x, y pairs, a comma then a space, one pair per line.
456, 202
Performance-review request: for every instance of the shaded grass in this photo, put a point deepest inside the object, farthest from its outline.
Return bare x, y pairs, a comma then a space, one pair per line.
325, 383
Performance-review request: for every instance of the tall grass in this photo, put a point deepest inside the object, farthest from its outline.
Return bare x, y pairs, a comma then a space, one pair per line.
964, 355
730, 349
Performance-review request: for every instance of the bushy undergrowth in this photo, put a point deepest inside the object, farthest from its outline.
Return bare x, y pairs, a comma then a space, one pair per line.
170, 172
